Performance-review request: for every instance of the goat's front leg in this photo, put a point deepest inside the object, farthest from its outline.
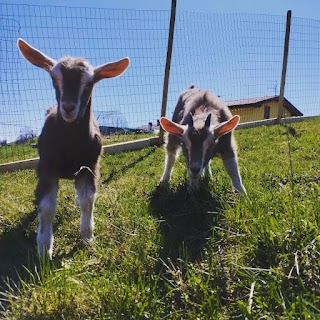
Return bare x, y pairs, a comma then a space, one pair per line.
86, 195
172, 148
46, 199
207, 171
232, 168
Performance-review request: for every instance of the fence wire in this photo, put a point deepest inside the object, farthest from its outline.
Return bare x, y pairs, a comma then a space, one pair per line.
122, 105
237, 56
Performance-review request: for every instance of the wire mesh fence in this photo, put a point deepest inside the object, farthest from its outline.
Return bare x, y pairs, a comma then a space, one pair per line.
123, 106
237, 56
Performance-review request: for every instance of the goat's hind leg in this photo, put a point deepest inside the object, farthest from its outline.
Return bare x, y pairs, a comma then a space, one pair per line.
85, 185
46, 200
172, 148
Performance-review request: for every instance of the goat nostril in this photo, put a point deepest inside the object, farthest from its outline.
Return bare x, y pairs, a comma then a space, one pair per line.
68, 107
195, 170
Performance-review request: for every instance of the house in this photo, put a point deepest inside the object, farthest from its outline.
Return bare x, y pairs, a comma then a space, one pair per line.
150, 128
106, 130
254, 109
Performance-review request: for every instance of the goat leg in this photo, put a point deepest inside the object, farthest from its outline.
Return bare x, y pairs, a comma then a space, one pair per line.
46, 194
86, 194
232, 168
172, 147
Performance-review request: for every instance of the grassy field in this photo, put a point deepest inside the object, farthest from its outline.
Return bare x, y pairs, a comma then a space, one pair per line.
161, 254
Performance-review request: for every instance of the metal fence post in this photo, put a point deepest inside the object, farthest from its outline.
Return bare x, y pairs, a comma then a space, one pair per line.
284, 67
168, 63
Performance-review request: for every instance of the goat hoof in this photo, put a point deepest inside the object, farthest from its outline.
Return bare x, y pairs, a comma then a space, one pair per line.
87, 235
164, 180
45, 254
164, 184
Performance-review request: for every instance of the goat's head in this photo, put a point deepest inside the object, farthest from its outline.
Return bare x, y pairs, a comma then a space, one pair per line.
198, 139
73, 78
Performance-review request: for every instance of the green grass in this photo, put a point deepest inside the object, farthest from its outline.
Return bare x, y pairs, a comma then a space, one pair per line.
15, 152
161, 254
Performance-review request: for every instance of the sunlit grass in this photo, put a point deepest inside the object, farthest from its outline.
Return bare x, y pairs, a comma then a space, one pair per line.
161, 254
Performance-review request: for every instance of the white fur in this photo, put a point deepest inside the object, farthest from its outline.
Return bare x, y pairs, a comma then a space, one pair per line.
87, 76
46, 211
169, 163
231, 166
207, 170
86, 198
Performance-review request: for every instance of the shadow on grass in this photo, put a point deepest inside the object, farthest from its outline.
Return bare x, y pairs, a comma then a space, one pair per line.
186, 220
188, 225
17, 251
124, 168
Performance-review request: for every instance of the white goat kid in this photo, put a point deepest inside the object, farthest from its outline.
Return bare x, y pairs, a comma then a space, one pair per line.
70, 141
202, 125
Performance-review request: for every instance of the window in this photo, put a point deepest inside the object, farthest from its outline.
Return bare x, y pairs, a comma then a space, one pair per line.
266, 112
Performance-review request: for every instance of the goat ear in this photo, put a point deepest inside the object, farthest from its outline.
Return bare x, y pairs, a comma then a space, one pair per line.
111, 70
172, 127
226, 126
34, 56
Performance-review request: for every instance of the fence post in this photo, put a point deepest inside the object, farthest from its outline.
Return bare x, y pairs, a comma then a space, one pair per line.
284, 67
167, 69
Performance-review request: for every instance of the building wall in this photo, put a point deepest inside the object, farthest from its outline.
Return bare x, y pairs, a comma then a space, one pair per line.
248, 114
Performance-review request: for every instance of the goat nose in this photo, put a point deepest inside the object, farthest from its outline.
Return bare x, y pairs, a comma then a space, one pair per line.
68, 106
195, 170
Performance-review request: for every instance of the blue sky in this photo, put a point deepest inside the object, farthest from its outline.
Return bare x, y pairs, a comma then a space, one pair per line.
233, 48
301, 8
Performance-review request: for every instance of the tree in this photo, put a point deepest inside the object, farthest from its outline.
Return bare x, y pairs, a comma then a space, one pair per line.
24, 137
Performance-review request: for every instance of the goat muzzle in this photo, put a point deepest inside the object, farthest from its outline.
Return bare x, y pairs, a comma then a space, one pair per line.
194, 171
68, 107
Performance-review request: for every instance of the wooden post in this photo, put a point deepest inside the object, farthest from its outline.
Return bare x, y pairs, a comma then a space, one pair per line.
284, 67
168, 63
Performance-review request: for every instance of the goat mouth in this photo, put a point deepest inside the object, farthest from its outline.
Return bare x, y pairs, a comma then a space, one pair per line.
69, 119
194, 176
